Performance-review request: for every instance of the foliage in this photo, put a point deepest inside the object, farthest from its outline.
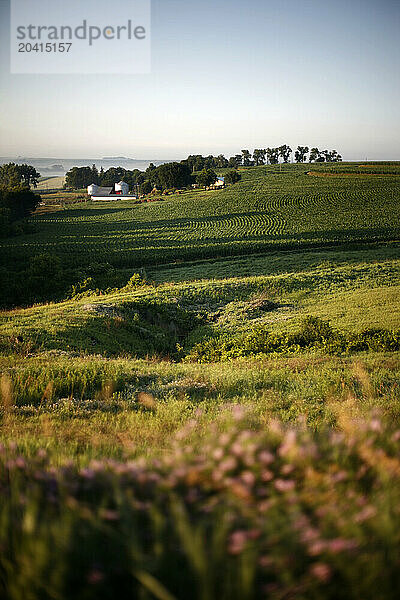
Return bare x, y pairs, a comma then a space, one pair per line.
245, 510
301, 154
326, 155
9, 176
273, 155
13, 176
171, 175
136, 281
285, 152
16, 199
79, 177
206, 177
17, 203
314, 334
147, 187
232, 176
28, 175
259, 157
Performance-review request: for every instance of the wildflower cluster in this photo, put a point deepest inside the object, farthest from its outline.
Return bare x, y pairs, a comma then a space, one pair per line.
247, 512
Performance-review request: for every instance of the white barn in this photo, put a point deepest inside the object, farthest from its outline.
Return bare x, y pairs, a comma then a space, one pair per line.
119, 191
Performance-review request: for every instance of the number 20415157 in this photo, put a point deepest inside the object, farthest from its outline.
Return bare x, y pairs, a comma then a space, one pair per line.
47, 47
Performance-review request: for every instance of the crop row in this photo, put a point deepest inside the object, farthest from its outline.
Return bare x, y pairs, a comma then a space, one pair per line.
260, 211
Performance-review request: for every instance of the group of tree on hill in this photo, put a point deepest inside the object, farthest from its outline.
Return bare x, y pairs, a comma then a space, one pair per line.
261, 156
194, 169
169, 175
166, 176
17, 201
272, 156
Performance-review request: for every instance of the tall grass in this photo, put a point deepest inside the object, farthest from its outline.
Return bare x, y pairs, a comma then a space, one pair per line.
245, 511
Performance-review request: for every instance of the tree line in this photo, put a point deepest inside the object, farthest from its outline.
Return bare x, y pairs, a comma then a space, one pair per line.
17, 201
272, 156
186, 172
171, 175
261, 156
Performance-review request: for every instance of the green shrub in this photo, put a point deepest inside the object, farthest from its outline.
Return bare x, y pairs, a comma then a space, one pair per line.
315, 334
136, 281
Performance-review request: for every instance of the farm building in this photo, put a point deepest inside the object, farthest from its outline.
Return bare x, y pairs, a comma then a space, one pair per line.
118, 191
220, 183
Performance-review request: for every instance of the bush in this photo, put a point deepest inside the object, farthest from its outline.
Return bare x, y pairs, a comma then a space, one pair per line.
136, 281
206, 177
20, 202
232, 176
315, 334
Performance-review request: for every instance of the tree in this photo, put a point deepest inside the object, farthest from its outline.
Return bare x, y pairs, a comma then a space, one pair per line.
12, 176
152, 167
9, 176
232, 176
199, 163
235, 161
325, 155
28, 175
273, 155
95, 175
146, 186
79, 177
172, 175
209, 162
133, 178
285, 151
331, 156
335, 156
315, 155
301, 153
206, 177
221, 162
112, 175
246, 158
195, 162
259, 157
19, 202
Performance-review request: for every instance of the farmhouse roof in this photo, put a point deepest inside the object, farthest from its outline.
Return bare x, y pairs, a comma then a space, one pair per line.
103, 191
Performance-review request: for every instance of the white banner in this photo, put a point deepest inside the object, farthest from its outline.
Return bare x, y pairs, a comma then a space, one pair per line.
80, 36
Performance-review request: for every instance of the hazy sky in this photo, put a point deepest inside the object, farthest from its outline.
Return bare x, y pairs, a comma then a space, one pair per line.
226, 75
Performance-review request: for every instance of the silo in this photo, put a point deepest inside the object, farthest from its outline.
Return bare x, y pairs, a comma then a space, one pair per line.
92, 189
122, 187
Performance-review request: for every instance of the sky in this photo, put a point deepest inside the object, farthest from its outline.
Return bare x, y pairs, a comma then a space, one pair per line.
225, 75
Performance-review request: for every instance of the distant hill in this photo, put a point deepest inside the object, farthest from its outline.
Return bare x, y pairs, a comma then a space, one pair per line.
117, 158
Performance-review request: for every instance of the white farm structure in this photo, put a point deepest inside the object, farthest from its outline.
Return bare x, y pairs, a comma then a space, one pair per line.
119, 191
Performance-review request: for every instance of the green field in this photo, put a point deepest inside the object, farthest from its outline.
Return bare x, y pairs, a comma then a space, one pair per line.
50, 183
268, 209
226, 422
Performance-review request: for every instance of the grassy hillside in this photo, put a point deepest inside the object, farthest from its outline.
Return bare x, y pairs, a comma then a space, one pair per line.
153, 319
225, 424
50, 183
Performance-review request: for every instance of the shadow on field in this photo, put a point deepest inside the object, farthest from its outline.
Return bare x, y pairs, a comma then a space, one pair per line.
90, 212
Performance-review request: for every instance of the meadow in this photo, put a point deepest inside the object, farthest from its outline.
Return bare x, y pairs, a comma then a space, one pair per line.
211, 408
269, 209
